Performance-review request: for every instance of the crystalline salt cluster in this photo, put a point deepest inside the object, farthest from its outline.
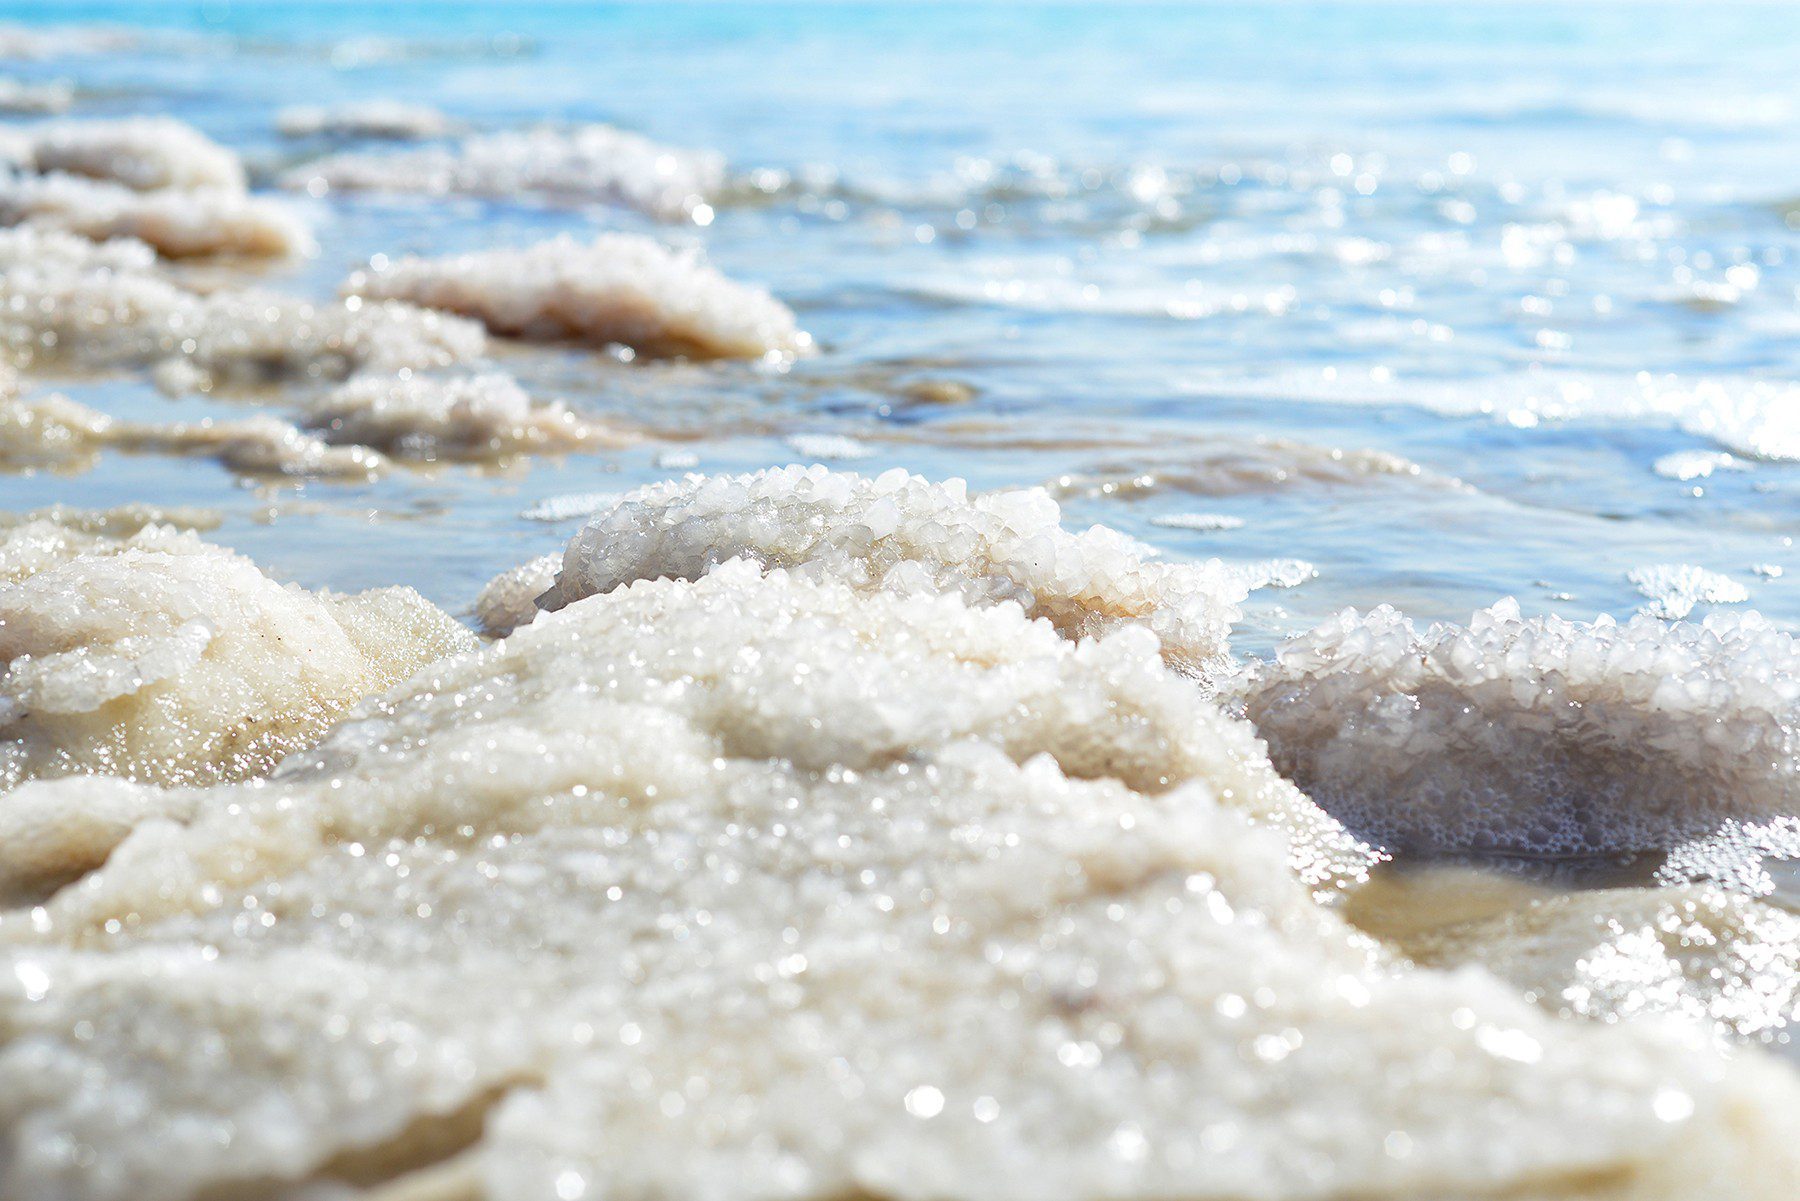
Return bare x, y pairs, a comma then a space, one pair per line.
973, 910
1536, 737
18, 96
178, 224
145, 153
618, 289
584, 163
390, 119
160, 657
466, 417
1675, 588
509, 600
903, 533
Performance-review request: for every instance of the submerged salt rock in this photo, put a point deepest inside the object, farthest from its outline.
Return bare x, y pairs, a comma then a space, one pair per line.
468, 417
103, 304
163, 658
145, 153
178, 224
904, 533
618, 289
366, 119
968, 912
1719, 960
1675, 588
586, 163
509, 600
1536, 737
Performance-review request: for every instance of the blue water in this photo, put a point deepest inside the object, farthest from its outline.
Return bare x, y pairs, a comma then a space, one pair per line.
1145, 238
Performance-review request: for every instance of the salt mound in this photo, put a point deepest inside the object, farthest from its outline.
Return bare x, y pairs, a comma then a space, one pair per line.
620, 288
368, 119
509, 600
587, 163
969, 913
50, 432
163, 658
105, 305
1675, 588
17, 96
902, 533
58, 41
471, 417
179, 224
145, 153
1714, 958
1539, 737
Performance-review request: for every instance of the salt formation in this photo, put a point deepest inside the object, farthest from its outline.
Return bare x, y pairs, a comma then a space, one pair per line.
471, 417
1717, 959
828, 447
509, 600
17, 96
145, 153
1234, 467
49, 433
572, 505
105, 305
585, 163
162, 658
1539, 737
972, 913
1201, 523
1675, 588
61, 41
902, 533
178, 224
369, 119
1742, 857
618, 289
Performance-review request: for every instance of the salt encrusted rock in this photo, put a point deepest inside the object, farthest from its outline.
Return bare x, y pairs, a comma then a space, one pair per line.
509, 600
145, 153
967, 913
466, 417
618, 289
586, 163
904, 533
1539, 737
178, 224
18, 96
368, 119
50, 432
1717, 959
103, 304
162, 658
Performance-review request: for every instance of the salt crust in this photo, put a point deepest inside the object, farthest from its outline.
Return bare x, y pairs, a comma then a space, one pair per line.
972, 913
17, 96
469, 417
903, 533
1675, 588
160, 657
584, 163
105, 305
509, 600
1538, 737
366, 119
178, 224
618, 289
145, 153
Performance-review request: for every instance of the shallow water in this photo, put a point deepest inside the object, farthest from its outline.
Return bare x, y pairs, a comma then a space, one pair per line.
1436, 307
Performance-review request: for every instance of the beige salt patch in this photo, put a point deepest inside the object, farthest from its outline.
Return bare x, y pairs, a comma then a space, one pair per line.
389, 119
481, 417
177, 223
145, 153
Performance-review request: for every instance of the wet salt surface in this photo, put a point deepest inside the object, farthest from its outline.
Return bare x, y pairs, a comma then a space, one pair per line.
1517, 322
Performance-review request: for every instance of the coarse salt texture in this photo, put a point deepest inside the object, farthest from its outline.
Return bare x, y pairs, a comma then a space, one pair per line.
509, 600
145, 153
970, 912
160, 657
1536, 737
467, 417
904, 533
1675, 589
620, 289
586, 163
19, 96
178, 224
104, 304
391, 119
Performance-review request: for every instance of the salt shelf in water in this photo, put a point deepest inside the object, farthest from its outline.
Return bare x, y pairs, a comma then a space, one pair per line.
388, 119
1536, 737
976, 911
465, 417
618, 289
144, 153
178, 224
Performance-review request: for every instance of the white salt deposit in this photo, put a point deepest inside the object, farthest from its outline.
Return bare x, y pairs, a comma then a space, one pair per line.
390, 119
159, 657
1274, 573
61, 41
18, 96
588, 163
50, 432
1204, 523
105, 305
828, 447
145, 153
902, 533
618, 289
1536, 737
509, 600
465, 417
677, 460
178, 224
571, 506
972, 913
1675, 588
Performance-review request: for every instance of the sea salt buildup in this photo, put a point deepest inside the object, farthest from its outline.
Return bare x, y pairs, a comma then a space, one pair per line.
161, 658
509, 600
1675, 588
903, 533
178, 224
390, 119
485, 417
620, 289
1540, 737
145, 153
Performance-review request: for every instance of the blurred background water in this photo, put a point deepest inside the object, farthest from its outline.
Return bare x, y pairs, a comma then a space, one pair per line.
1179, 261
